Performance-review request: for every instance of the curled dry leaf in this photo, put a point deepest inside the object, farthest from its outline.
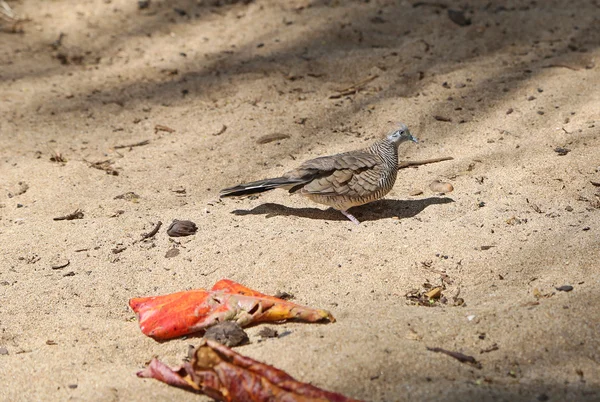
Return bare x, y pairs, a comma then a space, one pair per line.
178, 314
182, 228
224, 375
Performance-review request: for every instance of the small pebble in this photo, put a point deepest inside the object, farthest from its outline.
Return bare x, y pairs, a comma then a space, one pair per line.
510, 110
3, 351
173, 252
267, 332
440, 187
72, 386
415, 192
228, 333
565, 288
562, 151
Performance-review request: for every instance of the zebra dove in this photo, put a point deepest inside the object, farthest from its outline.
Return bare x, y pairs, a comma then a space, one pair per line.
340, 181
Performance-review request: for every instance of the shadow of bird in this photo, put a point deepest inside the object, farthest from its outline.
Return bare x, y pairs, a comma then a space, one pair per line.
376, 210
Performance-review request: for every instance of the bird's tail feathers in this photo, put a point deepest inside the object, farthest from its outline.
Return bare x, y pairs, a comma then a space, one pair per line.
256, 187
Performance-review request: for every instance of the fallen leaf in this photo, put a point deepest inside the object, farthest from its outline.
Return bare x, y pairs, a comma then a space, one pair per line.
178, 314
181, 228
224, 375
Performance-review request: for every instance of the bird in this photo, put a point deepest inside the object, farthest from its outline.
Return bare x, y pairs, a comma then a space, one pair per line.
341, 181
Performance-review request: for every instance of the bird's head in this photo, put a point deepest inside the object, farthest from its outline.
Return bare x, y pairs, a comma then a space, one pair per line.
400, 135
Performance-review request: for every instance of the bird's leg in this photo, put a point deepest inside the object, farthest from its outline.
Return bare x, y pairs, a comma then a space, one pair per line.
350, 216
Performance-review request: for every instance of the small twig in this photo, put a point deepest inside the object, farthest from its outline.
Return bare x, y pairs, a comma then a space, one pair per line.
353, 88
78, 214
58, 42
406, 164
160, 127
562, 66
137, 144
103, 165
458, 356
429, 4
61, 265
221, 131
153, 232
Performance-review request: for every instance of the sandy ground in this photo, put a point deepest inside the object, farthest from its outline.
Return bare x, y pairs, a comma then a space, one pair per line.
521, 80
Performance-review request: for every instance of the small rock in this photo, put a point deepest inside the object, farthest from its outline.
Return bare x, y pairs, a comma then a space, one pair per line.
441, 187
510, 110
228, 333
458, 17
267, 332
72, 386
143, 4
562, 151
565, 288
3, 351
569, 208
415, 192
513, 220
182, 228
174, 252
284, 295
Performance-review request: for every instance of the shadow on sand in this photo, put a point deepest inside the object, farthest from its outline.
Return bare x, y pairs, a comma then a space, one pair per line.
373, 211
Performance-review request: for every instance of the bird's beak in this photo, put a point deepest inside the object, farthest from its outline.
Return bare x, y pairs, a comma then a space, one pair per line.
413, 139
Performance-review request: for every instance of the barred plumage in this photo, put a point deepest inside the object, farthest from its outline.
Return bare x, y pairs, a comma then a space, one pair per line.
341, 181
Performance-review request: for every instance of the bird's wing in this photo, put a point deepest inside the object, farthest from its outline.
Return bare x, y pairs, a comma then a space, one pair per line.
352, 174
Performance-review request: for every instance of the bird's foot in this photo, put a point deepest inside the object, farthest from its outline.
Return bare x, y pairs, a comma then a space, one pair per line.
351, 217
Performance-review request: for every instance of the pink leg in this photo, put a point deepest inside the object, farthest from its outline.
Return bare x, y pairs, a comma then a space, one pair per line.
351, 217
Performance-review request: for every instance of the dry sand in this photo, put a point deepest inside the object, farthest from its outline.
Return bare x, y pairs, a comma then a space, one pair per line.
522, 79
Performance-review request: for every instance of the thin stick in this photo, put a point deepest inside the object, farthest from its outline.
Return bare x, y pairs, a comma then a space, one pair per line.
354, 88
137, 144
153, 232
78, 214
404, 165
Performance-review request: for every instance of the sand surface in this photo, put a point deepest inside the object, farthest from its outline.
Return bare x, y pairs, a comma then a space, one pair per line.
498, 95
